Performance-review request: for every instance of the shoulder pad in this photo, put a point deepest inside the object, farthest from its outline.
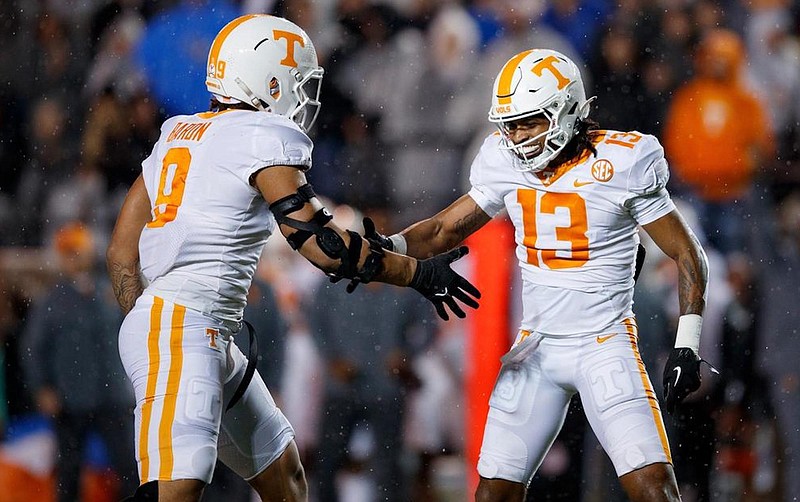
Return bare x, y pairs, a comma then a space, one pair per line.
649, 171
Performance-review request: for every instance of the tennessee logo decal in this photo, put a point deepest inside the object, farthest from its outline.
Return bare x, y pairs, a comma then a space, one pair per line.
212, 334
602, 170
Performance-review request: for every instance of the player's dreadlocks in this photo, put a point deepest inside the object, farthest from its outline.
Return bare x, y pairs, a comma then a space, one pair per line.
585, 132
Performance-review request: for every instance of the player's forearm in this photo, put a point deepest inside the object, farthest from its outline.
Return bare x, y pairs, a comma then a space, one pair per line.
429, 237
126, 282
446, 230
692, 279
396, 269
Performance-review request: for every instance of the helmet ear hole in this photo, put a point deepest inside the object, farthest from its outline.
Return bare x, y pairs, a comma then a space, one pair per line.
274, 88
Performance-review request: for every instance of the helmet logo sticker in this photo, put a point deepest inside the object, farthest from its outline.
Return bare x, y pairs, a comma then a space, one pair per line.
602, 170
291, 40
548, 63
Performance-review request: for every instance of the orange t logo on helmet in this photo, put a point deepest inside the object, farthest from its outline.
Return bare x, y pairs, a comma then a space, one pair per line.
291, 39
548, 64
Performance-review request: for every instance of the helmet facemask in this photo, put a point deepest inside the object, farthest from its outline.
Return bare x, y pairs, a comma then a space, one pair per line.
532, 158
307, 90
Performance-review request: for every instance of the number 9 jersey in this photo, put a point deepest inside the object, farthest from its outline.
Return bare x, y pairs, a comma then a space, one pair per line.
576, 226
209, 223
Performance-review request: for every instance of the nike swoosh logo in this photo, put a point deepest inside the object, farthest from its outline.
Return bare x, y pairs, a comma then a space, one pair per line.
578, 183
677, 369
441, 293
601, 339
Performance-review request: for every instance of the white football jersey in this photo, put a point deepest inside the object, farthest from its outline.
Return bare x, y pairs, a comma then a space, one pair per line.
209, 223
576, 227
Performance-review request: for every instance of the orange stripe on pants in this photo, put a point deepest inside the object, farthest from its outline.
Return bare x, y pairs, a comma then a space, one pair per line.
171, 396
152, 379
630, 326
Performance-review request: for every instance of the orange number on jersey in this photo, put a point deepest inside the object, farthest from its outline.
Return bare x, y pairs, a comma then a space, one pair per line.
575, 233
626, 139
174, 169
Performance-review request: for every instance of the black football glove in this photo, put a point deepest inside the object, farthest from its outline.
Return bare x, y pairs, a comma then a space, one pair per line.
372, 235
681, 376
442, 286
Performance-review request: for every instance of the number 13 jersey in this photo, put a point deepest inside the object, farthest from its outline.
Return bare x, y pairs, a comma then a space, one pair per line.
576, 226
209, 223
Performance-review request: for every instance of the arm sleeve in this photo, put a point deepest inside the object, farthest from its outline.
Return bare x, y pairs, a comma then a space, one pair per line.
488, 199
279, 144
647, 198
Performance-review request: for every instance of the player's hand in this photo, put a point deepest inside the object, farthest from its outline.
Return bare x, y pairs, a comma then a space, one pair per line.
681, 376
442, 286
373, 235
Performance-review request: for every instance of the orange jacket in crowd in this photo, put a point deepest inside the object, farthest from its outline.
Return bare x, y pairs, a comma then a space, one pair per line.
717, 135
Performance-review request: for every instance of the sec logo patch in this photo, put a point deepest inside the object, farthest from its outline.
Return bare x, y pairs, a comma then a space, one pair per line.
602, 170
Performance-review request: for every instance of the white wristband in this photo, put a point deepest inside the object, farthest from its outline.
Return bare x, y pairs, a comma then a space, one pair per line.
689, 327
399, 243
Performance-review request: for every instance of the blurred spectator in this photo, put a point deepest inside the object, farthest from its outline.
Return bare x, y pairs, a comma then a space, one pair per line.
114, 66
691, 428
488, 18
173, 52
12, 144
717, 139
263, 313
119, 134
578, 20
72, 366
775, 69
432, 431
673, 41
367, 341
424, 126
779, 338
618, 87
51, 160
743, 407
106, 18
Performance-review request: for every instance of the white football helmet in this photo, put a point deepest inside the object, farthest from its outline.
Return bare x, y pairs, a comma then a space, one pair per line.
534, 82
269, 63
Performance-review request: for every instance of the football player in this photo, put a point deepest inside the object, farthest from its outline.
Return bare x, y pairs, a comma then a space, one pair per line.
216, 185
576, 196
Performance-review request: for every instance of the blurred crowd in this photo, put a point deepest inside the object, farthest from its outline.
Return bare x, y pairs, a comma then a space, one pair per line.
376, 398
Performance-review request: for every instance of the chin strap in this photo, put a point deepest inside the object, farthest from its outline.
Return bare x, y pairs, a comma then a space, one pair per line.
257, 103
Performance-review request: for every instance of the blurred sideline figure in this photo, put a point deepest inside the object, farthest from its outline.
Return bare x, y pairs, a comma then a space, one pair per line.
217, 184
576, 195
368, 341
718, 136
72, 366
